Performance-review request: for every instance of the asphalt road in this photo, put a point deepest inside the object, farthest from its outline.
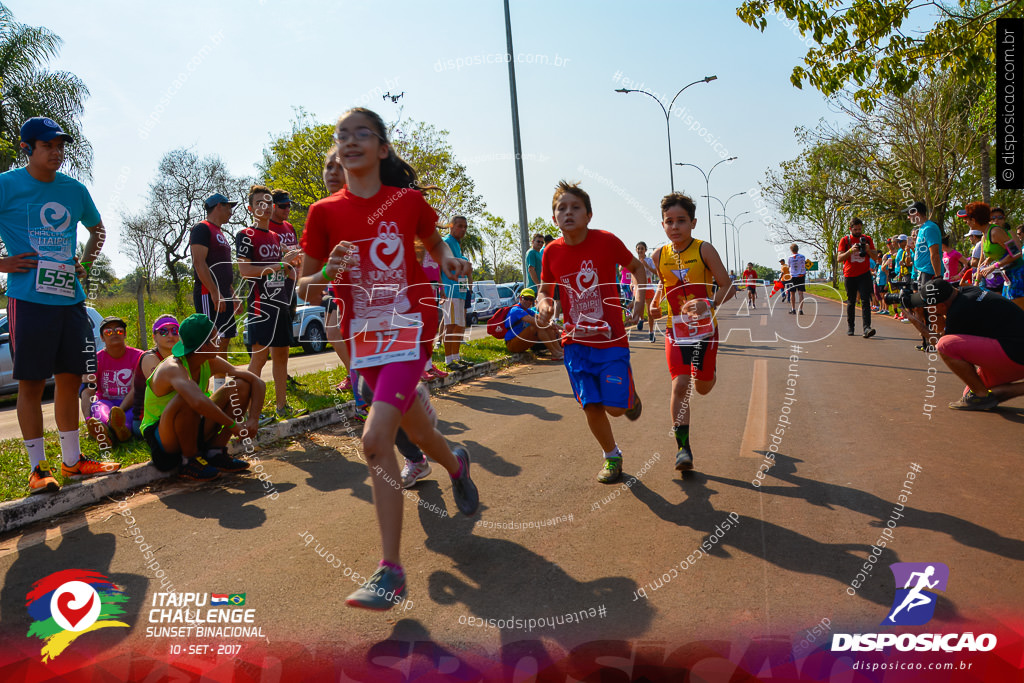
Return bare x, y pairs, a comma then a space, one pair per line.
852, 433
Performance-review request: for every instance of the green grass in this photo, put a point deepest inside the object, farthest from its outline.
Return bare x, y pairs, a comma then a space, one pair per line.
316, 392
826, 291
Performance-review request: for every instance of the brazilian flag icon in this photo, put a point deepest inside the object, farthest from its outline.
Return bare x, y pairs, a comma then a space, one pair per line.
236, 599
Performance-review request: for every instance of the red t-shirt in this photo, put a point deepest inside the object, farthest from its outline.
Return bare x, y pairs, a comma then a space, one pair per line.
749, 274
384, 277
286, 231
264, 247
586, 279
856, 264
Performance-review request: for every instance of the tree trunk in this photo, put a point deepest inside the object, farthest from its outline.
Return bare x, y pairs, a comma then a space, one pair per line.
986, 173
142, 316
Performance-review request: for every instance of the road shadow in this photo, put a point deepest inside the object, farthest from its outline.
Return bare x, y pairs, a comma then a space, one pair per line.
506, 407
76, 548
830, 496
228, 500
770, 542
498, 579
486, 458
520, 390
330, 470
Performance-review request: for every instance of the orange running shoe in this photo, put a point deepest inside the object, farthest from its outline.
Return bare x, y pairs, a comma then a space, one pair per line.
86, 468
41, 480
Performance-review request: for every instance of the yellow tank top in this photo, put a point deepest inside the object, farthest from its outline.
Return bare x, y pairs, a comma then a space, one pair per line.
684, 276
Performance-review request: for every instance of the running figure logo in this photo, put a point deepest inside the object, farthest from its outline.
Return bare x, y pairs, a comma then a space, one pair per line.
914, 603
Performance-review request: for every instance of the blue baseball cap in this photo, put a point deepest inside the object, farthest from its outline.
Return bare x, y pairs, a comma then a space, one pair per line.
42, 128
214, 199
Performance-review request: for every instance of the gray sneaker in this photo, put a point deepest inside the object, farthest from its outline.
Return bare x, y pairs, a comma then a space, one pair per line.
684, 459
971, 401
381, 592
467, 498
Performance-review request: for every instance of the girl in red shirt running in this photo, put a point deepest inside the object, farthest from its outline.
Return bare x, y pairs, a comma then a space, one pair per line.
362, 239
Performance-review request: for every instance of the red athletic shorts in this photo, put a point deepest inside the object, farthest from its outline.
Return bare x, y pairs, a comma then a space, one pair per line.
697, 359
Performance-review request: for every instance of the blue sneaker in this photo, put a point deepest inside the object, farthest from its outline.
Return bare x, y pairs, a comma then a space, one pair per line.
467, 498
381, 592
199, 469
220, 460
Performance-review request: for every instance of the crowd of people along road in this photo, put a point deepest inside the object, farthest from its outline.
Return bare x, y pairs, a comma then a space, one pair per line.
364, 250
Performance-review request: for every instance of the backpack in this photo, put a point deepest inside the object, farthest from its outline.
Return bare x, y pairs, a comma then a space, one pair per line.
496, 325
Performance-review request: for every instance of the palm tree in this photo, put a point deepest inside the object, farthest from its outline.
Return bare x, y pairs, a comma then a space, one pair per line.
28, 88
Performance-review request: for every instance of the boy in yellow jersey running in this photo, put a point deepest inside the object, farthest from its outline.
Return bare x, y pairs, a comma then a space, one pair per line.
686, 267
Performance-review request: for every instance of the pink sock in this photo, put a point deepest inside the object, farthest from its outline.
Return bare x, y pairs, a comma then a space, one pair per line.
396, 568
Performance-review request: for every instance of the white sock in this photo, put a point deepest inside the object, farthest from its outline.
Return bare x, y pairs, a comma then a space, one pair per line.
448, 359
218, 382
36, 451
457, 357
430, 364
70, 447
613, 453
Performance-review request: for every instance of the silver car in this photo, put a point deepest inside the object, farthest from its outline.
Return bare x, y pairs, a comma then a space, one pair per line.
9, 385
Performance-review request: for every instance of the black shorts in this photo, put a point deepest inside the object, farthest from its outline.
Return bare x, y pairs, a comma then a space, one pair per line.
797, 283
163, 460
923, 277
223, 320
49, 340
271, 328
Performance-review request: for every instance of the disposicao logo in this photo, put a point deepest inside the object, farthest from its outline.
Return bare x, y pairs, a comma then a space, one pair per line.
69, 603
914, 605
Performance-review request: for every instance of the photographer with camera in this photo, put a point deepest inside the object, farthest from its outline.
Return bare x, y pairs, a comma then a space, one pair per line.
982, 340
855, 252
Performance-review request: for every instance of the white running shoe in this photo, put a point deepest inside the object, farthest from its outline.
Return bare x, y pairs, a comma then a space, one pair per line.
413, 472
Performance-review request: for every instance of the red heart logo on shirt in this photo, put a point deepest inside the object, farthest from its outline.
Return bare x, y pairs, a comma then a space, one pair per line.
74, 616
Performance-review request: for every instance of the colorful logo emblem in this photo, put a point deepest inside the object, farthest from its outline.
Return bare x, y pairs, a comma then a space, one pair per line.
914, 603
68, 603
237, 599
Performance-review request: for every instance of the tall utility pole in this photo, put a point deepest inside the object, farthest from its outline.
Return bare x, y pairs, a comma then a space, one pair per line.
524, 240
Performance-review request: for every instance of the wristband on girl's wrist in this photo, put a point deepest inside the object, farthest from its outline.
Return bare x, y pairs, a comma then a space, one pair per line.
323, 271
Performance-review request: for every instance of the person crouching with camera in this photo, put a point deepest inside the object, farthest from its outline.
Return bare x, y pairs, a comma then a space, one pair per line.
855, 252
982, 340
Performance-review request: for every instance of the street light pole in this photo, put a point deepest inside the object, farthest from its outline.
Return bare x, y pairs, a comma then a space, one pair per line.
667, 113
707, 187
524, 241
732, 221
736, 234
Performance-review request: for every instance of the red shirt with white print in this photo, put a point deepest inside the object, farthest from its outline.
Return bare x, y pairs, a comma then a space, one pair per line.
384, 279
586, 278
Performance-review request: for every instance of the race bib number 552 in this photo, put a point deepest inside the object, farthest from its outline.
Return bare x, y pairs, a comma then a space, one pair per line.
56, 278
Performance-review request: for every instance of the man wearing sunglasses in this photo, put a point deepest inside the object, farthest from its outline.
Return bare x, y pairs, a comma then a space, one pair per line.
522, 331
107, 395
165, 336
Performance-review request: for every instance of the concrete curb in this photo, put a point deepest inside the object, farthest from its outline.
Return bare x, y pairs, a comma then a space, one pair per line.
18, 513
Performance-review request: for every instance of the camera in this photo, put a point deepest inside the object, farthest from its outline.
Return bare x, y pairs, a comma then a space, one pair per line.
862, 248
901, 297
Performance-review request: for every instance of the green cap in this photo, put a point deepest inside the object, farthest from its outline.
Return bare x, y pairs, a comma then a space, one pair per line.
194, 331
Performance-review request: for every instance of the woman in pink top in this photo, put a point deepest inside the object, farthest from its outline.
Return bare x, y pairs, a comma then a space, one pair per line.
108, 397
952, 261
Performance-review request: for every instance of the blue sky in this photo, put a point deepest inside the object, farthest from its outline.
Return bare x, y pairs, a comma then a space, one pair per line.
223, 77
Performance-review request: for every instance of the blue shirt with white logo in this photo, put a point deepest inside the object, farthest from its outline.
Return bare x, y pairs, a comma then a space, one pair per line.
43, 218
451, 287
928, 235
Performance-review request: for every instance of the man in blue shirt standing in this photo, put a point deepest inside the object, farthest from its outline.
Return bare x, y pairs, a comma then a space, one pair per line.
50, 331
454, 309
927, 263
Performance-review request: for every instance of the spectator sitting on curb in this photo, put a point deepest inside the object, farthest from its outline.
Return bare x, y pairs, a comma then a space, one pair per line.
982, 343
165, 336
107, 397
182, 424
523, 331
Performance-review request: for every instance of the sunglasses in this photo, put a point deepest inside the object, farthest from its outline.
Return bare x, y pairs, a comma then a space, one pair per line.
286, 205
164, 331
111, 331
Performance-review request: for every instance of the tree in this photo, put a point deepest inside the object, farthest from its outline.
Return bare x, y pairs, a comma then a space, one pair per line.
140, 243
294, 161
28, 88
101, 272
864, 42
499, 245
174, 204
812, 192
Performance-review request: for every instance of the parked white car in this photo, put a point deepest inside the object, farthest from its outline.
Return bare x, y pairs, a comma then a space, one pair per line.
8, 385
488, 298
309, 328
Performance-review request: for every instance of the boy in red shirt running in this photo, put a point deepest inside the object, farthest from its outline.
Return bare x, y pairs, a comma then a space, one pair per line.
582, 263
749, 276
